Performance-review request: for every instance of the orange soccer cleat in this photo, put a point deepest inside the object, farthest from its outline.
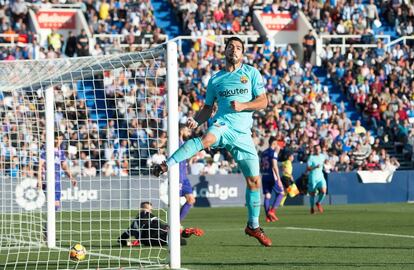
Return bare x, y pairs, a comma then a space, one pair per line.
319, 207
272, 215
259, 234
187, 232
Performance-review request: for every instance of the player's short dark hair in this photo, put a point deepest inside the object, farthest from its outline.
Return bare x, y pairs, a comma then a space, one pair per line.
144, 203
236, 39
59, 134
271, 140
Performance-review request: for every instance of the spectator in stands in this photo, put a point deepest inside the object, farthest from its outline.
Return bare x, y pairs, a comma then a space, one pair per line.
157, 158
359, 129
390, 164
82, 45
19, 10
71, 44
211, 167
358, 156
343, 164
104, 9
55, 40
371, 164
372, 12
89, 169
110, 168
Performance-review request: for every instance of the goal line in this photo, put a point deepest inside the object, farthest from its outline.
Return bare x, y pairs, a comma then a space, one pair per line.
30, 245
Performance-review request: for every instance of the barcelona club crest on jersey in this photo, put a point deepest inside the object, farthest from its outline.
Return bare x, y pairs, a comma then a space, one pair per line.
243, 79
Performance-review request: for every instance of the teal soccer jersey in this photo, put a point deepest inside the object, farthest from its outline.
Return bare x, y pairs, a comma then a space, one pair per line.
242, 85
233, 129
316, 175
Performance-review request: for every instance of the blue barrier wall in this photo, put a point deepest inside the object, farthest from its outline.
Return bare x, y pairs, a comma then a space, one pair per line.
227, 190
352, 190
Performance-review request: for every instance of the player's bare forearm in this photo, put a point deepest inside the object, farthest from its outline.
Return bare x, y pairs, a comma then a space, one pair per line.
259, 103
204, 114
65, 168
275, 169
311, 168
39, 174
280, 184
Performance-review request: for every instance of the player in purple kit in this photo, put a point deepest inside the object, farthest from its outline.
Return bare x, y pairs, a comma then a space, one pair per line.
185, 187
271, 179
60, 165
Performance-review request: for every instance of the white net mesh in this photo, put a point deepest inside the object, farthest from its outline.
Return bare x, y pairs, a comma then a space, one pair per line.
110, 114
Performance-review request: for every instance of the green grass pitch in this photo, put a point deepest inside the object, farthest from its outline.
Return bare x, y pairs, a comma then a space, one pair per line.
344, 237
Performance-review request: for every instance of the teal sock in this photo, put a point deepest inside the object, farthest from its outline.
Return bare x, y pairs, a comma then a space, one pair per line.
253, 207
321, 197
312, 201
186, 151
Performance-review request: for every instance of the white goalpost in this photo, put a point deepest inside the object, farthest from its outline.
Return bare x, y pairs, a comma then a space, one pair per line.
173, 173
77, 139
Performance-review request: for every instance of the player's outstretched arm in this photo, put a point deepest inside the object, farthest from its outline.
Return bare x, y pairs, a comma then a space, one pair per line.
201, 117
40, 173
65, 168
260, 102
276, 174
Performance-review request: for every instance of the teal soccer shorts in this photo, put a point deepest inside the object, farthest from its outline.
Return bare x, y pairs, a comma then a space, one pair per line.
313, 186
240, 145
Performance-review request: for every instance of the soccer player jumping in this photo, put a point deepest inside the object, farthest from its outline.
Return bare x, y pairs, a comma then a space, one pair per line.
238, 90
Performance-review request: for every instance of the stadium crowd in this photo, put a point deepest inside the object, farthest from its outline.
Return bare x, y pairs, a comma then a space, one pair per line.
380, 84
300, 112
357, 17
135, 22
214, 18
131, 19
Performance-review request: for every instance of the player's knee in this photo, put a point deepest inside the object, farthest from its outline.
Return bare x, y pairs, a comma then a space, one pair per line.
253, 182
191, 200
208, 140
268, 195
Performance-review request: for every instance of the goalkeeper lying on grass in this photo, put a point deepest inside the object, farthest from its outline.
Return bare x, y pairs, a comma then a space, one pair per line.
149, 230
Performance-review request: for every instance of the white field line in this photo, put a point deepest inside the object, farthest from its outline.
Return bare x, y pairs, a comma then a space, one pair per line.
349, 232
316, 230
34, 244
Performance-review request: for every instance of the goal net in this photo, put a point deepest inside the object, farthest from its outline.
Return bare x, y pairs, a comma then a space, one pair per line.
77, 139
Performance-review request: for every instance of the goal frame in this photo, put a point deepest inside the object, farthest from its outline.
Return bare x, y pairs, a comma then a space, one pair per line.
173, 215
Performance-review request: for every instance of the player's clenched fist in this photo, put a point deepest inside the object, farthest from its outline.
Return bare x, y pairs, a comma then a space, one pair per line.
191, 123
74, 181
237, 106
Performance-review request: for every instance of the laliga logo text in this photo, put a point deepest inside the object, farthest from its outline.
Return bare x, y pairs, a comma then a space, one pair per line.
28, 196
212, 191
223, 193
79, 195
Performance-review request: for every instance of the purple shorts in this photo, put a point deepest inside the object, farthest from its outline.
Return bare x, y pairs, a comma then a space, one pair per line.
58, 192
269, 184
185, 187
